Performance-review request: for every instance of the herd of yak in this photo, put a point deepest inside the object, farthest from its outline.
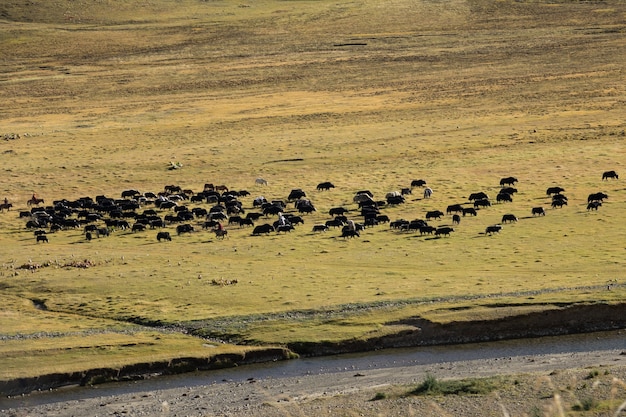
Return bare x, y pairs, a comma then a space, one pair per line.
216, 208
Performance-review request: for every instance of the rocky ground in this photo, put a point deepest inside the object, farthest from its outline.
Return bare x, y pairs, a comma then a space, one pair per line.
540, 385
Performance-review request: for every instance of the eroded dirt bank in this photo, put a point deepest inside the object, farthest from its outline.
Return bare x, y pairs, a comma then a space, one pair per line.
552, 322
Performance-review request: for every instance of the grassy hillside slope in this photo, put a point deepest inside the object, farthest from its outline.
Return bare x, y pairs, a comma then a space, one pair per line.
368, 95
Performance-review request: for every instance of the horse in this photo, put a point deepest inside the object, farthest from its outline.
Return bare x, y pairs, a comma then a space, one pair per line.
6, 206
221, 188
221, 233
35, 201
346, 233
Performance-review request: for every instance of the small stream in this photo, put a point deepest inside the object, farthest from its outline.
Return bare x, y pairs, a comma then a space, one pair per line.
389, 358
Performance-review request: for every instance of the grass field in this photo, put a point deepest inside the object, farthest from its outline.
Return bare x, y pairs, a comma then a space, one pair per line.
367, 95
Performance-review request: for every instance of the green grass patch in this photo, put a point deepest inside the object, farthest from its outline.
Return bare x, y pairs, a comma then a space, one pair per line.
475, 386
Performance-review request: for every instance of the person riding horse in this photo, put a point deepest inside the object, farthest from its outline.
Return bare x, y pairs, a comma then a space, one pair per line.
219, 230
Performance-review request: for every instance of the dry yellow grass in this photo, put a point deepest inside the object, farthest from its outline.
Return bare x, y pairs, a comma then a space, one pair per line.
368, 96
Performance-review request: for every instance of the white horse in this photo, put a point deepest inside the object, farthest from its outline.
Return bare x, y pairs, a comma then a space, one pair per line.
428, 192
260, 181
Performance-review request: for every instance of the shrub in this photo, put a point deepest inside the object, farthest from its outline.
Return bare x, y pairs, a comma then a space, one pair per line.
475, 386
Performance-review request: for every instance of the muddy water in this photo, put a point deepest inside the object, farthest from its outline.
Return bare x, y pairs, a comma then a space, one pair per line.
385, 359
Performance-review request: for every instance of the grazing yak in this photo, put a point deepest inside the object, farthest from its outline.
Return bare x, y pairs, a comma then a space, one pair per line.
164, 236
130, 193
395, 199
418, 183
504, 197
325, 186
398, 224
138, 227
508, 190
482, 203
444, 231
435, 214
254, 216
609, 174
469, 210
334, 222
305, 206
42, 238
508, 181
260, 181
456, 219
554, 190
427, 230
493, 229
198, 198
338, 211
362, 198
414, 225
234, 219
558, 203
246, 222
428, 192
371, 222
382, 218
296, 194
596, 197
320, 228
272, 210
294, 219
478, 196
594, 205
262, 228
538, 211
454, 208
509, 218
209, 224
184, 228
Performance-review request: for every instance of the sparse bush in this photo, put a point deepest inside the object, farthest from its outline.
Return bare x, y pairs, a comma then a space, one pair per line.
379, 396
585, 404
431, 386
